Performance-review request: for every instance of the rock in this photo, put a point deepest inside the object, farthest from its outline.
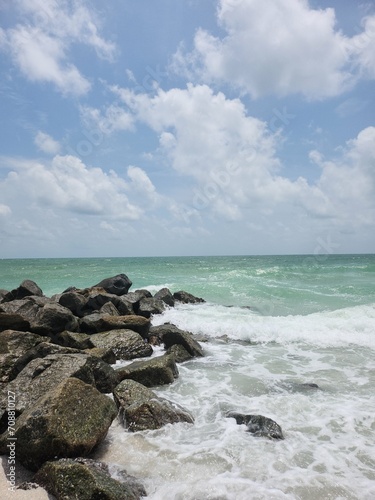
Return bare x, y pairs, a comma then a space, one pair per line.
67, 421
109, 308
170, 335
54, 318
3, 293
42, 374
166, 296
150, 306
141, 409
73, 301
96, 323
135, 297
14, 344
118, 285
126, 344
156, 371
23, 311
258, 425
85, 479
74, 340
13, 321
106, 355
180, 353
26, 288
187, 298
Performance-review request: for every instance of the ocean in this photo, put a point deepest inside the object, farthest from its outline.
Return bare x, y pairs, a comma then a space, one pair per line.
272, 326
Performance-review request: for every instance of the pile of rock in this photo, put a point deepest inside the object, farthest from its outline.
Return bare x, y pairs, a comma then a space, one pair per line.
56, 357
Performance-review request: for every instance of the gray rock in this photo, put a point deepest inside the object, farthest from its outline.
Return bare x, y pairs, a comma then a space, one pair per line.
166, 296
149, 306
74, 301
118, 285
26, 288
180, 353
67, 421
169, 334
54, 318
85, 479
109, 308
74, 340
126, 344
156, 371
258, 425
106, 355
96, 323
135, 297
141, 409
13, 321
187, 298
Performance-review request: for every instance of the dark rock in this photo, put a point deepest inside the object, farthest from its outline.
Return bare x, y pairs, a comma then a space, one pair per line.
106, 355
258, 425
150, 306
156, 371
96, 323
26, 288
26, 309
3, 293
67, 421
74, 340
180, 353
141, 409
13, 321
85, 479
166, 296
170, 335
73, 301
109, 308
187, 298
118, 285
135, 297
126, 344
54, 318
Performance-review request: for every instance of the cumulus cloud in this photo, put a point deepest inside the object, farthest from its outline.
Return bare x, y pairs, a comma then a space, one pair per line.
113, 118
46, 143
39, 43
280, 47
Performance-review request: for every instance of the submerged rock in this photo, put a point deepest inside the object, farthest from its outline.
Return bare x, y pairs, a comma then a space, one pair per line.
156, 371
141, 409
187, 298
85, 479
68, 421
258, 425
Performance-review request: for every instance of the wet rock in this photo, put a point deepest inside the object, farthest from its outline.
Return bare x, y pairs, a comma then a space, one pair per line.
26, 288
96, 323
126, 344
135, 297
104, 354
166, 296
187, 298
180, 353
67, 421
141, 409
85, 479
118, 285
258, 425
156, 371
74, 340
149, 306
170, 335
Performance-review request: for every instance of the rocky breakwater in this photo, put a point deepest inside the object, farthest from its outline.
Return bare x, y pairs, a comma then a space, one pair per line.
59, 391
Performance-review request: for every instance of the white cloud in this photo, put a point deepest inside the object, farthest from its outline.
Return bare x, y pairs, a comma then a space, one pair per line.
112, 119
4, 210
46, 143
39, 44
280, 47
141, 184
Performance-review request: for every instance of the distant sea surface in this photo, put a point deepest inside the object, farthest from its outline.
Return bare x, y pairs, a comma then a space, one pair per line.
272, 324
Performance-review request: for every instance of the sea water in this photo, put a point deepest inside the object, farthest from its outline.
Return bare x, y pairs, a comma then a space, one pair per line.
274, 329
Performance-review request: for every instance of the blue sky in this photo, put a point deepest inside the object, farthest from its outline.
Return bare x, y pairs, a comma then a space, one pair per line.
188, 127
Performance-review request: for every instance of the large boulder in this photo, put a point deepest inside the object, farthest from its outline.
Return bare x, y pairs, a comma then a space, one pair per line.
13, 321
67, 421
149, 306
156, 371
26, 288
74, 339
54, 318
126, 344
180, 353
166, 296
170, 335
85, 479
141, 409
258, 425
96, 323
74, 301
118, 285
135, 297
187, 298
13, 345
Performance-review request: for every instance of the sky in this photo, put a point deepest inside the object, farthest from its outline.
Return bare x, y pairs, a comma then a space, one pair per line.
186, 127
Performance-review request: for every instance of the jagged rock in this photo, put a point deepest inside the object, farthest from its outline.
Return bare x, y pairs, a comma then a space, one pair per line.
74, 340
126, 344
73, 301
258, 425
14, 344
13, 321
149, 306
141, 409
156, 371
96, 323
109, 308
106, 355
21, 312
67, 421
26, 288
135, 297
169, 334
166, 296
3, 293
118, 285
85, 479
43, 373
180, 353
187, 298
54, 318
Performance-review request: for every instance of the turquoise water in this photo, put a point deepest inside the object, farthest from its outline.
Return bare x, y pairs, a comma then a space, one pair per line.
292, 320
